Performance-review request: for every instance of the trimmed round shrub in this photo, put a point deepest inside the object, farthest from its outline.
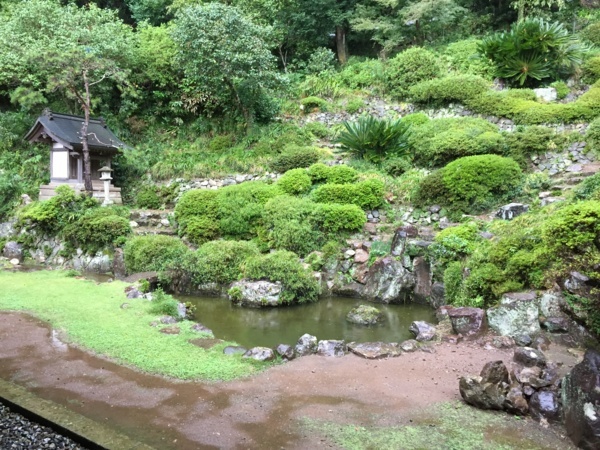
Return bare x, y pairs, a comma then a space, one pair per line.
408, 68
196, 203
240, 207
432, 190
318, 172
574, 228
457, 88
297, 236
289, 224
220, 261
341, 174
415, 119
479, 182
201, 229
367, 194
591, 33
439, 141
311, 103
294, 182
334, 217
153, 253
148, 198
96, 229
298, 283
591, 70
294, 157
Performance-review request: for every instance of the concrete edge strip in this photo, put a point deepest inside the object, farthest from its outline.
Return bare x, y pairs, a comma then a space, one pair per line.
84, 431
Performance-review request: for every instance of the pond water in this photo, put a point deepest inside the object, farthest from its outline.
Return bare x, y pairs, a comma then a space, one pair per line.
325, 319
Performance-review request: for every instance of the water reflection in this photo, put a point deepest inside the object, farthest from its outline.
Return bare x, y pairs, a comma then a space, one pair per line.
325, 319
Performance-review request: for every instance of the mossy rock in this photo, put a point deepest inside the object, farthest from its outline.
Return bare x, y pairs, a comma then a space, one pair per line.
365, 315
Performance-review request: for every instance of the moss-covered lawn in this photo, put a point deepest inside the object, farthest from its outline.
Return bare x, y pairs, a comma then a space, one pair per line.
91, 316
445, 426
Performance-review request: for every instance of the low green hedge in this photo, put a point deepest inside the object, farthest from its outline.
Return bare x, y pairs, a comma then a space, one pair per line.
511, 104
472, 184
366, 194
295, 182
219, 261
294, 157
153, 253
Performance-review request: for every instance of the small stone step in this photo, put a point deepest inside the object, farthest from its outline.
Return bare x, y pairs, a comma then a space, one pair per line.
575, 180
146, 231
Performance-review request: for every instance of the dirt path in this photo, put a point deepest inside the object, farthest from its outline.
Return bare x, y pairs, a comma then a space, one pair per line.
259, 412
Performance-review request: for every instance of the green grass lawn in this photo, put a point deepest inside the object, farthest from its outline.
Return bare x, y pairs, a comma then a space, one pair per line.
444, 426
91, 316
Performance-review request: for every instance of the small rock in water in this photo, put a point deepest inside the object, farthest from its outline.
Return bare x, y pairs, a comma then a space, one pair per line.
364, 315
423, 331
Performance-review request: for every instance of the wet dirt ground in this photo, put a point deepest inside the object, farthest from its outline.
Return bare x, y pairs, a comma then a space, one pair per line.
264, 411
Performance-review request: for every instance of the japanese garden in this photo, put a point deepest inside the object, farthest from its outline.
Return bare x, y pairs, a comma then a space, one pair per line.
294, 224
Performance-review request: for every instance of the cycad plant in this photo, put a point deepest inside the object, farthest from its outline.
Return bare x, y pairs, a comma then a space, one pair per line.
533, 50
375, 139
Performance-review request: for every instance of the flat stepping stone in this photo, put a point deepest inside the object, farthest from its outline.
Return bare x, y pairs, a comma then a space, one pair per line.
375, 350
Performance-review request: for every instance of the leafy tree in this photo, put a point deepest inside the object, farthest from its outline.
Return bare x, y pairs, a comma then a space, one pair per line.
155, 12
394, 22
49, 48
226, 62
527, 5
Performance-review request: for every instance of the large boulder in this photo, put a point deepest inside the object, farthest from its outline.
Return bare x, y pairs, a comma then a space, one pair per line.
467, 321
285, 351
438, 295
388, 281
517, 314
13, 250
7, 229
255, 293
331, 348
529, 357
400, 237
422, 330
515, 402
545, 405
512, 210
475, 391
365, 315
422, 272
375, 350
306, 345
581, 402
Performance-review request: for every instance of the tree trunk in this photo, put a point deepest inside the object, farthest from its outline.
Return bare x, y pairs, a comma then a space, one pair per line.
340, 43
521, 11
87, 164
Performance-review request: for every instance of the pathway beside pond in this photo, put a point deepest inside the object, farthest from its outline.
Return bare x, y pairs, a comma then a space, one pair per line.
269, 410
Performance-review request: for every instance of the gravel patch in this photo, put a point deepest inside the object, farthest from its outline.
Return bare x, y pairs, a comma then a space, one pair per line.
18, 433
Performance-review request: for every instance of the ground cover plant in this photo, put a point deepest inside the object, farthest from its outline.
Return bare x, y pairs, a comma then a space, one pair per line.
90, 316
438, 427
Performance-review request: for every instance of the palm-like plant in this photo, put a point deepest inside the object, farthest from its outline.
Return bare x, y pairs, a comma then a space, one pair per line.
533, 49
375, 140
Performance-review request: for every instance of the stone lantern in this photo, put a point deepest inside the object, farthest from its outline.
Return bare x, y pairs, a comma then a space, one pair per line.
106, 178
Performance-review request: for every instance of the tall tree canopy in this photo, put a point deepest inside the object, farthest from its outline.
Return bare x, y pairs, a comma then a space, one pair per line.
227, 63
50, 49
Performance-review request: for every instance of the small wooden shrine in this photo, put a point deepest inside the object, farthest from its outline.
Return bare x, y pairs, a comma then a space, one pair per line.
63, 133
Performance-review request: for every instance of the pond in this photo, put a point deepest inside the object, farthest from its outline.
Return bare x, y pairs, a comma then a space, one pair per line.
325, 319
